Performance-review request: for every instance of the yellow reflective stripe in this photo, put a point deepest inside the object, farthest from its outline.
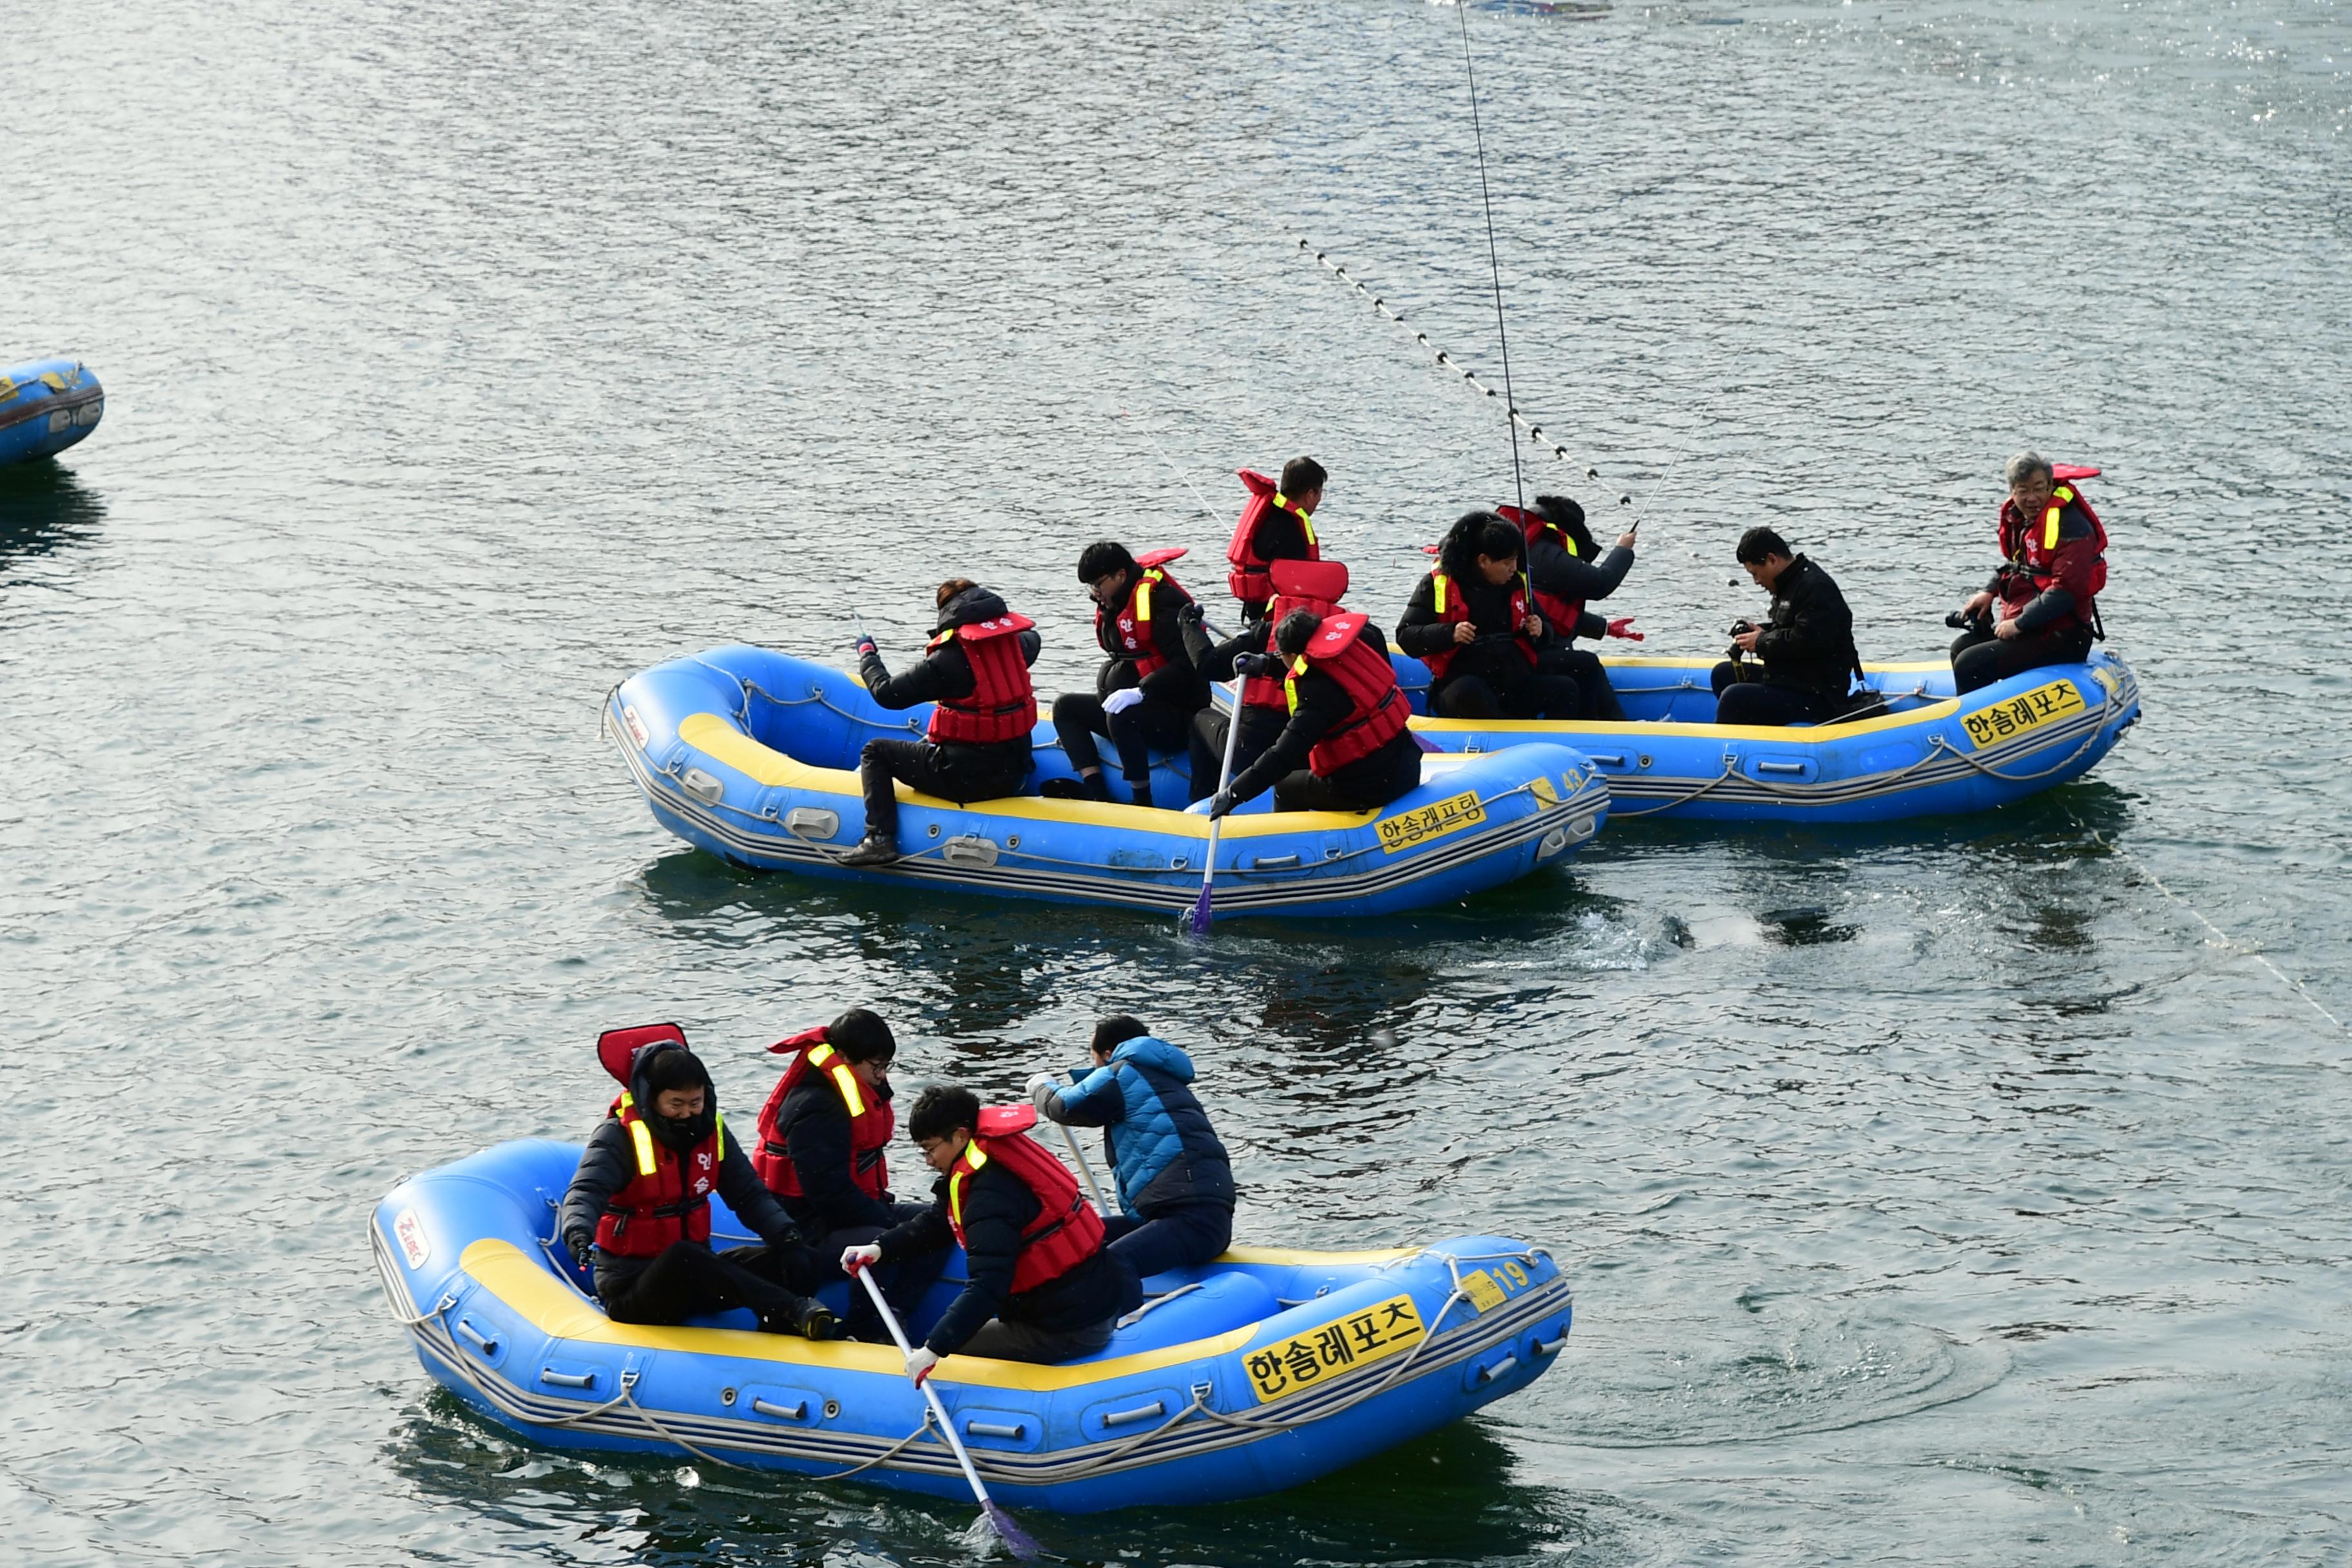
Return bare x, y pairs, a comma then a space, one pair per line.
1566, 543
1308, 522
955, 1199
1290, 681
820, 1054
645, 1142
1439, 578
1143, 596
846, 1081
1305, 519
718, 1133
2050, 529
974, 1155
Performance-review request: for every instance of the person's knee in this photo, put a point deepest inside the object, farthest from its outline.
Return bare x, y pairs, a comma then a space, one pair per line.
1723, 674
1070, 710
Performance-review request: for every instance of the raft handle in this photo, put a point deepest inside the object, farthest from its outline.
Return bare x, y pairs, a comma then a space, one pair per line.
1141, 1413
1498, 1369
787, 1412
1779, 767
567, 1379
486, 1343
1551, 1347
996, 1429
1275, 863
703, 786
1608, 759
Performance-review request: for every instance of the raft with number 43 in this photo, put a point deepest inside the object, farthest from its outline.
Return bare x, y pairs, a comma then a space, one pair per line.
1262, 1370
752, 754
1913, 749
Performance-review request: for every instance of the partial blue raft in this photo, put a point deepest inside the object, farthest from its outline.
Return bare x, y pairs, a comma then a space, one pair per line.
1268, 1368
1925, 753
752, 754
46, 405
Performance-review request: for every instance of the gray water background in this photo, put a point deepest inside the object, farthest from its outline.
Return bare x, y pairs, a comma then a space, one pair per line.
1948, 1193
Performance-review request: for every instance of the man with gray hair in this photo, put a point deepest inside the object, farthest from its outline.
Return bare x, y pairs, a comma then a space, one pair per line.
2042, 606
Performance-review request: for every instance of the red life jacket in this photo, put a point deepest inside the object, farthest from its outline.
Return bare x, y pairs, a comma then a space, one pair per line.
1317, 585
871, 1120
1559, 614
668, 1200
1004, 704
1453, 607
1128, 634
1371, 683
1066, 1231
2037, 550
1248, 578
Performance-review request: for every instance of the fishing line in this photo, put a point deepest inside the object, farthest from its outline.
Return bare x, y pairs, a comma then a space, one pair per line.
1180, 473
1493, 263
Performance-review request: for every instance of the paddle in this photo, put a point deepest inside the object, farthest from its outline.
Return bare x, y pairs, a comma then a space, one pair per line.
1200, 922
1017, 1539
1085, 1169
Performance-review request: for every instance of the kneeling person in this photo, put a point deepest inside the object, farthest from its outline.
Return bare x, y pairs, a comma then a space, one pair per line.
1042, 1288
638, 1209
1174, 1180
1346, 723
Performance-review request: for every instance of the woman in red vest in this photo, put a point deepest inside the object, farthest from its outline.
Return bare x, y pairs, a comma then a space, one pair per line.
2042, 606
976, 669
1147, 690
1346, 747
638, 1210
1041, 1286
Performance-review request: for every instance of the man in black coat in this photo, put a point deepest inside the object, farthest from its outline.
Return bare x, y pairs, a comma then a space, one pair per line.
1806, 643
1072, 1315
681, 1110
1473, 622
1584, 576
1324, 706
1140, 712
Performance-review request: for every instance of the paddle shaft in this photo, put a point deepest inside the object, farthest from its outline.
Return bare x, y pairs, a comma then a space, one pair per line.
946, 1427
1225, 778
1085, 1169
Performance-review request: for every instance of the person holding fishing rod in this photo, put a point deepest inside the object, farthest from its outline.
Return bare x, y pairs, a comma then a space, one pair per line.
1566, 571
1345, 746
1148, 690
1317, 585
1175, 1183
1041, 1288
1473, 621
1277, 523
976, 668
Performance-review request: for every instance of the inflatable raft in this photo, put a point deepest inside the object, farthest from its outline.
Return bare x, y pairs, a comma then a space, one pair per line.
47, 405
752, 754
1922, 751
1264, 1370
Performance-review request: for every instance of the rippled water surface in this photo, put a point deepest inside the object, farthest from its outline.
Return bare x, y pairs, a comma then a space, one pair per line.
1972, 1192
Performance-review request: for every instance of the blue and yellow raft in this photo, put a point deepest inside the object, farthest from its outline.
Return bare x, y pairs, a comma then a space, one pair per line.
752, 754
1922, 752
46, 405
1264, 1370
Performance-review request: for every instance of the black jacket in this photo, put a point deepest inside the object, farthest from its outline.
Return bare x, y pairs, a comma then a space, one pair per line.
1552, 570
1176, 682
1422, 632
815, 1128
1808, 638
1323, 706
609, 1163
944, 672
997, 1206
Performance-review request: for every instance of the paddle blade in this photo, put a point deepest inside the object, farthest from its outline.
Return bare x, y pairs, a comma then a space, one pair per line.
1017, 1539
1199, 924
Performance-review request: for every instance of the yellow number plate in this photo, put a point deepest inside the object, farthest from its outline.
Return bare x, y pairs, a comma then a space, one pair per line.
2004, 722
1303, 1361
1483, 1293
1407, 828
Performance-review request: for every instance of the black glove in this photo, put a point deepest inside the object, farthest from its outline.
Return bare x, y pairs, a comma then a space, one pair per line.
582, 1246
1188, 614
1265, 664
1223, 804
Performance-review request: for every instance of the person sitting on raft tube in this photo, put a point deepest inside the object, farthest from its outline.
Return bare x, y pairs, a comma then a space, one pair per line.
824, 1136
1147, 690
1042, 1288
1347, 722
1567, 572
1806, 643
1317, 585
1175, 1181
976, 668
639, 1205
2054, 563
1277, 523
1473, 621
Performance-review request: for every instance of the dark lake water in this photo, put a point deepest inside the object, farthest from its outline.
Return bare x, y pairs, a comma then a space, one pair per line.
1969, 1192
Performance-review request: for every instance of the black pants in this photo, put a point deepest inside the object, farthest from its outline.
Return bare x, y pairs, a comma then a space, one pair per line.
689, 1278
1979, 658
1024, 1341
959, 773
1184, 1237
1363, 785
1769, 702
1532, 695
904, 1280
1149, 726
1592, 677
1261, 727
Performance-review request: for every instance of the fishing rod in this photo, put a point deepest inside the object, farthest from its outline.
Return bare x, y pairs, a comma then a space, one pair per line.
1494, 262
1185, 479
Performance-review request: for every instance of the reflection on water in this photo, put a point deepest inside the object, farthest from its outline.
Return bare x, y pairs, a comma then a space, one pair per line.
45, 507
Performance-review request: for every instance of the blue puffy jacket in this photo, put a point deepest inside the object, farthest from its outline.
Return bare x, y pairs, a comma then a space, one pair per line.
1157, 1136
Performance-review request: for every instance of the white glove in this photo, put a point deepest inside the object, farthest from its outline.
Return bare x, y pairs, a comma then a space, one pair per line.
920, 1362
1041, 1086
854, 1258
1121, 700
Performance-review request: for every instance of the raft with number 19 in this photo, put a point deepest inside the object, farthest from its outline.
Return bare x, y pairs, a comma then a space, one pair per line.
1262, 1370
752, 754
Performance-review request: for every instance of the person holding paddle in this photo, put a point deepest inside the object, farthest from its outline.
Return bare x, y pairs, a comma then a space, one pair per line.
1346, 747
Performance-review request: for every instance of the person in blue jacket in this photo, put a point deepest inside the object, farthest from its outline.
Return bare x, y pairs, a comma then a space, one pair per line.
1175, 1181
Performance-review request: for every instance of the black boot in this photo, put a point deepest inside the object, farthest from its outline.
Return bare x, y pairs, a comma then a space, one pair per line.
811, 1318
1140, 789
874, 849
1095, 784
